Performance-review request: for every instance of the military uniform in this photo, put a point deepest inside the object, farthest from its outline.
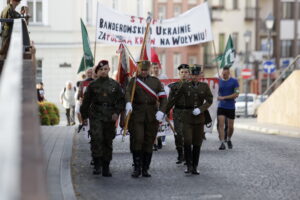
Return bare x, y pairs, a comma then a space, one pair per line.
177, 99
6, 28
194, 95
143, 125
103, 98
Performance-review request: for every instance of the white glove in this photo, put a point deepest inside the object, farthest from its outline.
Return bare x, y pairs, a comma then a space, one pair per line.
128, 108
159, 116
196, 111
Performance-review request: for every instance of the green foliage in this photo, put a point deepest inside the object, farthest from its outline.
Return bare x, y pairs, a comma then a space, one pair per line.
49, 113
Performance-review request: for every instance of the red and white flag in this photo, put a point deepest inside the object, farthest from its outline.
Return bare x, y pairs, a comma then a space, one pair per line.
127, 67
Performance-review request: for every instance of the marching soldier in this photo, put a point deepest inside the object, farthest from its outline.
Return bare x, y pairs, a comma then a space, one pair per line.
177, 99
145, 117
102, 103
6, 29
194, 94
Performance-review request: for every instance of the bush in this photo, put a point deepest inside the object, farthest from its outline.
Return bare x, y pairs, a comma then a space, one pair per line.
49, 113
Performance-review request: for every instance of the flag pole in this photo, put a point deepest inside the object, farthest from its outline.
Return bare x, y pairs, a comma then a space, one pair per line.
95, 45
134, 83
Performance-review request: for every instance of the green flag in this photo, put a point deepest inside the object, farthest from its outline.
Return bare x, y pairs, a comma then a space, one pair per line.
227, 59
87, 58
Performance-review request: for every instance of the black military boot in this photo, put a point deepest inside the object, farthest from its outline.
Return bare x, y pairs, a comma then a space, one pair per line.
105, 169
97, 166
196, 155
180, 158
137, 164
188, 158
146, 163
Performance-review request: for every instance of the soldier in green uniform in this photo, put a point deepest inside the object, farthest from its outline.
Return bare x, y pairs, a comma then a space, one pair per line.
178, 101
102, 103
197, 99
145, 116
6, 28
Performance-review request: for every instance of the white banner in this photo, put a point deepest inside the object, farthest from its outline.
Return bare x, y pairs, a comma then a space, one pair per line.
190, 28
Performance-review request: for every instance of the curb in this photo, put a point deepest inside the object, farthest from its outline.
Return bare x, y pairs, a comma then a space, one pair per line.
270, 131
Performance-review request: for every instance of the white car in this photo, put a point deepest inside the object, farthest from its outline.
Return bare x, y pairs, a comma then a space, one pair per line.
252, 104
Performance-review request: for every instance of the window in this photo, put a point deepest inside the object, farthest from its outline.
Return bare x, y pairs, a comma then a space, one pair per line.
222, 3
248, 4
192, 60
235, 37
88, 11
192, 1
177, 10
39, 71
36, 11
114, 65
176, 63
288, 10
207, 54
221, 42
115, 4
162, 12
286, 48
162, 58
235, 4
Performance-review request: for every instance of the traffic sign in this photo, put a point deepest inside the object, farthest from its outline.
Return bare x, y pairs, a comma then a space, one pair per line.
269, 67
246, 73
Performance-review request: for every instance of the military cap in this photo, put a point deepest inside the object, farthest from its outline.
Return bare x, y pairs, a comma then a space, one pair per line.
195, 69
183, 66
144, 64
101, 64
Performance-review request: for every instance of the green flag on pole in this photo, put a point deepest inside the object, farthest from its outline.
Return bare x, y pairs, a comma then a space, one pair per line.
227, 58
87, 60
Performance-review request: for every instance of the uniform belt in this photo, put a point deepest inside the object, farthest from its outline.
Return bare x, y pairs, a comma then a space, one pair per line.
183, 107
144, 103
104, 104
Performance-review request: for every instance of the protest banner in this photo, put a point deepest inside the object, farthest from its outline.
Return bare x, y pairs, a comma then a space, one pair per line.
189, 28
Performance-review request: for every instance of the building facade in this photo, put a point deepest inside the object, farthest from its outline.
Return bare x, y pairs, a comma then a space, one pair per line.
171, 58
55, 30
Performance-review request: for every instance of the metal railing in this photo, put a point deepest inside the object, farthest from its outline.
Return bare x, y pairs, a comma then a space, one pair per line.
283, 75
21, 169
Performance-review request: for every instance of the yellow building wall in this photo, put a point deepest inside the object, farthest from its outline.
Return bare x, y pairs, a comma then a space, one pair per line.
283, 106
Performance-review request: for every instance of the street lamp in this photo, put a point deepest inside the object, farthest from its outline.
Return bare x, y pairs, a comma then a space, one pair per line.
269, 21
247, 36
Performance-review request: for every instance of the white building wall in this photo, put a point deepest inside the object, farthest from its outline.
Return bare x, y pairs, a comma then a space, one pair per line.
58, 39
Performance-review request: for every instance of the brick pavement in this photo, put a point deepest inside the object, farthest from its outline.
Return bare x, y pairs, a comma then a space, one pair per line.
258, 167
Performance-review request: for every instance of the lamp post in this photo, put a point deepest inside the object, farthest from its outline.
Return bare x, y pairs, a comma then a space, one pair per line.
247, 36
269, 22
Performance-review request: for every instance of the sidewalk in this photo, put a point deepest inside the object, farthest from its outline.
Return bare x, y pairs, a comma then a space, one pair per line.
275, 129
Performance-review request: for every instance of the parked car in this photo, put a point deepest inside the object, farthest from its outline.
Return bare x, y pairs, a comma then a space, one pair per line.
252, 104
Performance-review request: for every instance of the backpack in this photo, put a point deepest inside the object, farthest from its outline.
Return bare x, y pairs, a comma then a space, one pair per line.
66, 88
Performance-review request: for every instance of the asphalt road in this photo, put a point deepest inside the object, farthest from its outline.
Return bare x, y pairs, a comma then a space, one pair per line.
258, 167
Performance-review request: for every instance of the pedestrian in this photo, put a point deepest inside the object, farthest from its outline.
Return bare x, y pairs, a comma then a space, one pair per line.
67, 100
228, 92
156, 72
88, 77
177, 99
145, 117
197, 99
102, 103
40, 92
9, 12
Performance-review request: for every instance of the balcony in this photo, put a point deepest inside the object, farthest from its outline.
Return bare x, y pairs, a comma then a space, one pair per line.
249, 14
